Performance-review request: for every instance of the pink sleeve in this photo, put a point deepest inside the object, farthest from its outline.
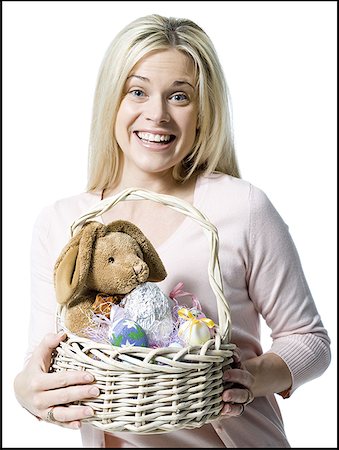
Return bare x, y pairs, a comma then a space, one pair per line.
43, 302
278, 288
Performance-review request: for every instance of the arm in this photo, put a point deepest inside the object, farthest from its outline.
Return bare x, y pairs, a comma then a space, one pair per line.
277, 286
36, 389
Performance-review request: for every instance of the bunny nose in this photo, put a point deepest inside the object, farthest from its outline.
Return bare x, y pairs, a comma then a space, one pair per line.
137, 268
141, 271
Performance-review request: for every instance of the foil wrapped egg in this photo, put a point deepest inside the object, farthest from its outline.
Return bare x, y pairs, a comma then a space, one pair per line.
152, 310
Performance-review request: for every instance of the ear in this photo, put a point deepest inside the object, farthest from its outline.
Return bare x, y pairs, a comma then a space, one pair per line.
72, 266
157, 271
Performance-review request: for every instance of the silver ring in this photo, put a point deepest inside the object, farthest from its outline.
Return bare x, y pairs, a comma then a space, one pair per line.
50, 416
250, 397
242, 410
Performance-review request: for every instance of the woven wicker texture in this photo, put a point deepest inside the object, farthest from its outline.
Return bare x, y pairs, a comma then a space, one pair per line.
146, 390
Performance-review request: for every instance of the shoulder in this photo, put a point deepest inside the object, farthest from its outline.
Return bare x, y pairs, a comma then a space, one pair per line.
62, 212
220, 182
71, 206
235, 200
234, 191
52, 227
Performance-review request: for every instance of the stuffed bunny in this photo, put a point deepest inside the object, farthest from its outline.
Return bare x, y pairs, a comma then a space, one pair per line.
102, 262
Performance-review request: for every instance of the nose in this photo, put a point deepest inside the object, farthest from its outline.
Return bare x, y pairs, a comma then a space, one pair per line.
141, 271
157, 110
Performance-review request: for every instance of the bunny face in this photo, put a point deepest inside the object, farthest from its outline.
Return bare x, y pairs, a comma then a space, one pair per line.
117, 264
100, 259
112, 259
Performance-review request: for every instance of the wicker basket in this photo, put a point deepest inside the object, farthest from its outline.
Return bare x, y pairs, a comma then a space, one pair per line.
147, 390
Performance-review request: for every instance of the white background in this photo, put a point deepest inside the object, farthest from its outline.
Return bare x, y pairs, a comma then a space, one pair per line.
280, 63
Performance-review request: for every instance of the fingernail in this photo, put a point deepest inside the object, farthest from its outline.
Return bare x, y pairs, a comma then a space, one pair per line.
94, 391
226, 409
61, 333
88, 412
88, 377
76, 425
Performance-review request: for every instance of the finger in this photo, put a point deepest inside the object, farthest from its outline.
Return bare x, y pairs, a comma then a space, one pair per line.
43, 352
236, 359
239, 376
70, 415
63, 378
75, 425
72, 425
67, 395
232, 410
235, 395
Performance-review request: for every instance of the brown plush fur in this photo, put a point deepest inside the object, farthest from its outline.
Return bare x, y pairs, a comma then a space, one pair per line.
110, 260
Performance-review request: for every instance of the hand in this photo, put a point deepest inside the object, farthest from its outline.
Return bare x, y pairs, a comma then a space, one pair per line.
40, 391
238, 393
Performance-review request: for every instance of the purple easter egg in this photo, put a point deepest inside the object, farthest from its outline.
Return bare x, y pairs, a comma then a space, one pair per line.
126, 332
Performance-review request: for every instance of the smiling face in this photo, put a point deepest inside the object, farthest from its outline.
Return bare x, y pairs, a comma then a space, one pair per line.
157, 118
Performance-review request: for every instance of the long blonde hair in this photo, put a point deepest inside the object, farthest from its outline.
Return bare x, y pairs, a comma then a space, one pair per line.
213, 149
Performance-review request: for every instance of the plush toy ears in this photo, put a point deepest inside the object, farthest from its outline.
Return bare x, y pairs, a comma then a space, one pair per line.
157, 271
73, 264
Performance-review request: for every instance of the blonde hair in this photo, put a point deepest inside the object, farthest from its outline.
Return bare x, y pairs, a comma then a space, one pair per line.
213, 149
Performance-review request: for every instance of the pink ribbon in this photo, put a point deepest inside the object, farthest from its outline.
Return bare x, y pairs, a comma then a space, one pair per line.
178, 291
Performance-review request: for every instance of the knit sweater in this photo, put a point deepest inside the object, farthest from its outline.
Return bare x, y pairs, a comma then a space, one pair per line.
261, 275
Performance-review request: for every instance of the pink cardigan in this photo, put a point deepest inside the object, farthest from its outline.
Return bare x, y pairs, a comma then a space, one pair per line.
262, 275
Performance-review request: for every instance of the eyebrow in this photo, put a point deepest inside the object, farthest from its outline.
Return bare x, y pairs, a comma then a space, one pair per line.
174, 84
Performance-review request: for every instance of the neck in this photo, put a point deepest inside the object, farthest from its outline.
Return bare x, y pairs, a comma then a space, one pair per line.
160, 183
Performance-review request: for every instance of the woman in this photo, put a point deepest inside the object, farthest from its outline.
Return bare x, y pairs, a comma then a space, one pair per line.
161, 122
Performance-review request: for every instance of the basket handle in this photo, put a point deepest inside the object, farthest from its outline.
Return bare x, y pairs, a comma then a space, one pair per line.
186, 208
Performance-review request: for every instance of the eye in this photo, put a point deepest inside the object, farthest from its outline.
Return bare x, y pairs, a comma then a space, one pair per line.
180, 97
137, 93
111, 259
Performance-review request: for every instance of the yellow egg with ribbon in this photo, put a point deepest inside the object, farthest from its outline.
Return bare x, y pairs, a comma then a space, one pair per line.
194, 331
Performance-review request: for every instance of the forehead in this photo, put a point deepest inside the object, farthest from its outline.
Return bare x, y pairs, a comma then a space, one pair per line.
169, 64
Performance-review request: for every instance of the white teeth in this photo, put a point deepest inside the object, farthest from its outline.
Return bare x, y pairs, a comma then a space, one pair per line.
154, 137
